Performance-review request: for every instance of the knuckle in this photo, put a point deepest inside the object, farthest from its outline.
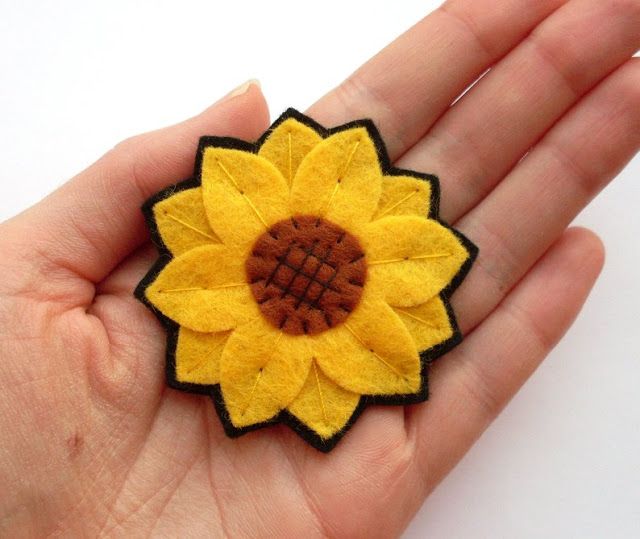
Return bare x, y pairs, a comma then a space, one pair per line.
350, 92
125, 147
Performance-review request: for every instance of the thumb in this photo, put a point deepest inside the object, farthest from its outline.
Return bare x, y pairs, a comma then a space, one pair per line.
87, 226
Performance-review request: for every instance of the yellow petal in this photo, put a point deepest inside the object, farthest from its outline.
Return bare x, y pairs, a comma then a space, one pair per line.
261, 372
287, 145
404, 195
339, 179
371, 353
198, 356
411, 259
322, 405
428, 323
182, 222
244, 195
204, 289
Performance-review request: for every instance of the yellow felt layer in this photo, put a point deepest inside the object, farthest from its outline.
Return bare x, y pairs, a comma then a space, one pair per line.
427, 323
410, 259
322, 405
340, 179
261, 371
204, 289
287, 145
244, 195
198, 356
182, 221
404, 195
371, 353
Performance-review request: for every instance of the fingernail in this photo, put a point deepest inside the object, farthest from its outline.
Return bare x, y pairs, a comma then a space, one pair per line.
243, 88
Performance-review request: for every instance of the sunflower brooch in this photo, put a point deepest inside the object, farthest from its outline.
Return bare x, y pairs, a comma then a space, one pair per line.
303, 277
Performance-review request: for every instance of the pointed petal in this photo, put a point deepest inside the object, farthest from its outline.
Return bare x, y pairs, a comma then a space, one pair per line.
339, 179
322, 405
244, 195
261, 372
182, 222
204, 289
287, 145
404, 195
371, 353
411, 259
198, 356
428, 323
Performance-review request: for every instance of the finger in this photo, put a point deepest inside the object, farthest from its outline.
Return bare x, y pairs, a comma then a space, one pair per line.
93, 221
414, 80
472, 384
601, 133
538, 200
492, 30
482, 137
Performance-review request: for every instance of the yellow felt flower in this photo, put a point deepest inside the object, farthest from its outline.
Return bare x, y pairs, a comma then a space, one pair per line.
303, 277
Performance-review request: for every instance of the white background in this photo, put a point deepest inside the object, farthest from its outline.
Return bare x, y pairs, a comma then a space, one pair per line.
76, 77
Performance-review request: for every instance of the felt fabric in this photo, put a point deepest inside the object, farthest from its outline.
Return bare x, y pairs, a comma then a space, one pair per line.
340, 179
303, 277
204, 289
428, 323
242, 193
287, 145
306, 274
410, 258
198, 356
182, 221
404, 195
271, 372
322, 404
372, 352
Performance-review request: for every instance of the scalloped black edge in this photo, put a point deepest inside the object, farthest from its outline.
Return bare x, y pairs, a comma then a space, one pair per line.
426, 356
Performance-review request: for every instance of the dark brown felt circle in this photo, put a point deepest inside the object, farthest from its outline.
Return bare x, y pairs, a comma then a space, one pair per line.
306, 274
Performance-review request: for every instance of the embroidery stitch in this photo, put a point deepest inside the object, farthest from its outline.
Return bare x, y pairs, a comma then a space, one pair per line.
334, 335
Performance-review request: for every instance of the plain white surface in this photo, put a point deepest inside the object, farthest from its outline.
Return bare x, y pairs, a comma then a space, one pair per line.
562, 461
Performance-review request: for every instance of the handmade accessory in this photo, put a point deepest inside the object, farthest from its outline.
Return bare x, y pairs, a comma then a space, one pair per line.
303, 277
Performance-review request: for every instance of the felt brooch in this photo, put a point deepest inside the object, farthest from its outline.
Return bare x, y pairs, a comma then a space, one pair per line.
303, 277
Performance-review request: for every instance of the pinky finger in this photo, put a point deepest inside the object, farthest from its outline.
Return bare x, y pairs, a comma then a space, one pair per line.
472, 385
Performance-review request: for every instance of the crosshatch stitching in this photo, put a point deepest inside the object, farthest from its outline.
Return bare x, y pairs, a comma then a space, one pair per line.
314, 258
298, 270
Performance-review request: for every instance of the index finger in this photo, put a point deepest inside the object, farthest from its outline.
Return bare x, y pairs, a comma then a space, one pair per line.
407, 86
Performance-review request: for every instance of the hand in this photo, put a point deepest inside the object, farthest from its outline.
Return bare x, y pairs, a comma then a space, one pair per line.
93, 441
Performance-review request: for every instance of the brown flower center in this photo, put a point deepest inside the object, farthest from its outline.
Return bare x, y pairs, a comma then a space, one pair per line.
306, 274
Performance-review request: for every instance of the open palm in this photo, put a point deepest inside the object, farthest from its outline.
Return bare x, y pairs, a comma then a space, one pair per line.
94, 441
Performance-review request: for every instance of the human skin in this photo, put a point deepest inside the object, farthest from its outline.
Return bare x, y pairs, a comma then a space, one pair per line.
94, 443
